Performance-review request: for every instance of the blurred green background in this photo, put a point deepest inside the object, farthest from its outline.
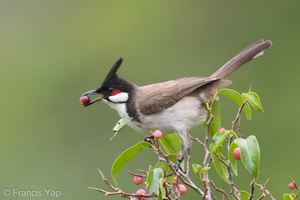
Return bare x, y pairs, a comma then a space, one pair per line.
53, 51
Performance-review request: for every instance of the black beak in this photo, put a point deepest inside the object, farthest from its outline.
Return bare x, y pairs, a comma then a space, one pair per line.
93, 92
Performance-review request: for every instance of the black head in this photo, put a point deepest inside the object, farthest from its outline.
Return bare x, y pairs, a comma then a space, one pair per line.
111, 86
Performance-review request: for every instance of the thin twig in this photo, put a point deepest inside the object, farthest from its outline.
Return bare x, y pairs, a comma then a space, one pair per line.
233, 191
233, 124
123, 194
181, 175
118, 191
211, 117
252, 188
165, 156
206, 160
219, 190
197, 140
141, 175
265, 191
168, 188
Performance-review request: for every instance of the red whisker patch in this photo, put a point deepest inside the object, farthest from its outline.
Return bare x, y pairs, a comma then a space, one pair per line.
115, 92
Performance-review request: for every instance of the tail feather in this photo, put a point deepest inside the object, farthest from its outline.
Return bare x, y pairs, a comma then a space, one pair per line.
241, 58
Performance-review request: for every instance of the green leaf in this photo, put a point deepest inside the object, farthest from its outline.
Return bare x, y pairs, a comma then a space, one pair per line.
218, 165
287, 196
254, 101
204, 169
216, 122
162, 191
238, 99
232, 160
125, 157
155, 185
171, 143
118, 127
198, 169
244, 195
220, 138
250, 154
149, 176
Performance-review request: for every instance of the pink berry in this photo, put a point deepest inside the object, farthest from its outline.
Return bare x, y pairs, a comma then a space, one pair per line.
141, 191
175, 181
221, 129
237, 153
138, 180
157, 134
181, 188
292, 186
84, 100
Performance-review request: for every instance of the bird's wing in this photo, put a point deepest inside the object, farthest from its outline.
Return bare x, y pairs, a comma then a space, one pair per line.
157, 97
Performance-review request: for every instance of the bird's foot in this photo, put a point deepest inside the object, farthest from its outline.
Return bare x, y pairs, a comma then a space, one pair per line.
149, 139
177, 166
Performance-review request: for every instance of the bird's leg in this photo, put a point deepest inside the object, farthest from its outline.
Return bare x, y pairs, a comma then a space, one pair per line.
186, 144
180, 159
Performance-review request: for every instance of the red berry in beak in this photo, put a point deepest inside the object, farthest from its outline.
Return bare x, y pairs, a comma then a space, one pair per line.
84, 100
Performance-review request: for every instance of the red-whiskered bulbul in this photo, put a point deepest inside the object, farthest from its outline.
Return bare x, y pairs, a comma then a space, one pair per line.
172, 106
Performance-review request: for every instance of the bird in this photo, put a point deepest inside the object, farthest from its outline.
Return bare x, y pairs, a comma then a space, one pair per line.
171, 106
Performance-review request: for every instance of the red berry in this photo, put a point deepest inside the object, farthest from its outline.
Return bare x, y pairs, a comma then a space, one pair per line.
141, 191
157, 134
292, 186
175, 181
181, 188
138, 180
84, 100
237, 153
221, 130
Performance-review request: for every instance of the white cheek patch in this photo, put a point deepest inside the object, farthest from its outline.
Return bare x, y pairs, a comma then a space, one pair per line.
119, 98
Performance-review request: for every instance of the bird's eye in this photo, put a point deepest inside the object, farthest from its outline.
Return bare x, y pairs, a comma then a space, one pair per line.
110, 89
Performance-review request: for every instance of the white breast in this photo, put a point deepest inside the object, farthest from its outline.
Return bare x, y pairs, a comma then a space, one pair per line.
182, 116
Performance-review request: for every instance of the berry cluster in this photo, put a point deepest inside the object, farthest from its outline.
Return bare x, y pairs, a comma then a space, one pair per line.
139, 179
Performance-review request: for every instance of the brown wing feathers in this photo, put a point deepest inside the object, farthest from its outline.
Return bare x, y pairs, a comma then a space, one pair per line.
157, 97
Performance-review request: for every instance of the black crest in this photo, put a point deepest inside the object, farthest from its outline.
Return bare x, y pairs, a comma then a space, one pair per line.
112, 77
113, 81
112, 74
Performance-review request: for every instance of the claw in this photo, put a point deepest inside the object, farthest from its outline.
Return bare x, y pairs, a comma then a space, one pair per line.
178, 167
149, 139
179, 160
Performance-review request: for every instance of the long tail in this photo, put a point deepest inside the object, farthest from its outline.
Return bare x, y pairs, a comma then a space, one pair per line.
241, 58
